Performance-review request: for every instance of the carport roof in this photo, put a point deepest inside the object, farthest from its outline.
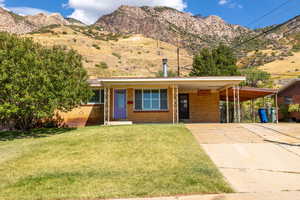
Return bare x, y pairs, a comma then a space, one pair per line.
247, 93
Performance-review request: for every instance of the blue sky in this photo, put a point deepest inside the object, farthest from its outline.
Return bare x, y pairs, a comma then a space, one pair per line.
233, 11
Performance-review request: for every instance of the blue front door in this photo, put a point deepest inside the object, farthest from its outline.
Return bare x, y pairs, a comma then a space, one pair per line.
120, 104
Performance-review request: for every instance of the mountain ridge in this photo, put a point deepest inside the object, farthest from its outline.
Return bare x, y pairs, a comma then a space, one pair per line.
172, 26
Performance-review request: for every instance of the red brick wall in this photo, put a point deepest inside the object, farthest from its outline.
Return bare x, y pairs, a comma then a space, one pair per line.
83, 116
293, 92
203, 108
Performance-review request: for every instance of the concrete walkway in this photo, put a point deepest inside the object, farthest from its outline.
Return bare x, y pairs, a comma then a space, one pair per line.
295, 195
254, 159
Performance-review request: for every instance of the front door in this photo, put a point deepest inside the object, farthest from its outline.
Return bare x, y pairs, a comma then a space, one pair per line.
120, 110
184, 112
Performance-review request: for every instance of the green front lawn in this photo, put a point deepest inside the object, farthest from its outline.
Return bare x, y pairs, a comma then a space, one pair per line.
106, 162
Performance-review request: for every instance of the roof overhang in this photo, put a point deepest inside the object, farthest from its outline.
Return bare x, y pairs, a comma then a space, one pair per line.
213, 82
291, 83
247, 93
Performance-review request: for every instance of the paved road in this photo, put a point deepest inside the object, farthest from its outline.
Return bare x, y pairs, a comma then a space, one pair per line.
254, 158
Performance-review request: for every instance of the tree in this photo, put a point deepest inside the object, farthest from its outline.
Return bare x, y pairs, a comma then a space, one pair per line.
216, 62
255, 77
35, 81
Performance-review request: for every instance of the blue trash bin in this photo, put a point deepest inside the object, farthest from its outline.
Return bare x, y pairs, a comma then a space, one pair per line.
262, 112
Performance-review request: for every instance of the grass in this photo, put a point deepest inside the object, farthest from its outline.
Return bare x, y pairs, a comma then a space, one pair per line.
107, 162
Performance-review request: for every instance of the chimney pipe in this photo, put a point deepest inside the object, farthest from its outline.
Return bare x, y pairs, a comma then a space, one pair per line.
165, 67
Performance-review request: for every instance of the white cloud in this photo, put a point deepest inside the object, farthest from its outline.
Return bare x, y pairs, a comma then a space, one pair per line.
27, 10
23, 10
230, 4
88, 11
223, 2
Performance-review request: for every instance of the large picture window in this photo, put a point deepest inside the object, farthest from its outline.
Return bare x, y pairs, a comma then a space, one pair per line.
151, 99
98, 97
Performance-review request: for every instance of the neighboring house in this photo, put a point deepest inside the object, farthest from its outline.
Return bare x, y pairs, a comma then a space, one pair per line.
152, 100
287, 95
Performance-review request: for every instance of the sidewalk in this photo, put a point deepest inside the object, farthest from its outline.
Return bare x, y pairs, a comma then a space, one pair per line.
288, 195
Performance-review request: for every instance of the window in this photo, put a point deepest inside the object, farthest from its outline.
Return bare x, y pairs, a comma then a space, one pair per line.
288, 100
98, 97
151, 99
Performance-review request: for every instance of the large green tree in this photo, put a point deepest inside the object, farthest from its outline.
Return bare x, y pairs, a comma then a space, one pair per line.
256, 78
35, 81
215, 62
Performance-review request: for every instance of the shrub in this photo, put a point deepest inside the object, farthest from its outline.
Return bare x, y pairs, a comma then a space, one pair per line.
116, 55
35, 81
170, 73
96, 46
294, 108
296, 47
102, 65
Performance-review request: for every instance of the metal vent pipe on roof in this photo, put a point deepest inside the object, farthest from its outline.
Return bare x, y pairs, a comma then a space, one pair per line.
165, 67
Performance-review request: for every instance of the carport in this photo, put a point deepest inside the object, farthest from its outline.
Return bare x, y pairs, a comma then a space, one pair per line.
237, 95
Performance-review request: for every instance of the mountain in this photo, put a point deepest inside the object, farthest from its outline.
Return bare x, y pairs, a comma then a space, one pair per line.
172, 26
13, 23
41, 19
75, 22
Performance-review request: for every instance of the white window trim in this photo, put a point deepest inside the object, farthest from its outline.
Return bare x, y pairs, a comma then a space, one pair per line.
100, 97
149, 110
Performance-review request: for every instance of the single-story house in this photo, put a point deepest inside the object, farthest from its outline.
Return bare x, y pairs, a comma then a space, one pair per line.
153, 100
287, 95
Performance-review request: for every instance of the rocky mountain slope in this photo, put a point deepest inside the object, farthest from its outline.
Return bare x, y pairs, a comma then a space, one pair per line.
172, 26
13, 23
41, 20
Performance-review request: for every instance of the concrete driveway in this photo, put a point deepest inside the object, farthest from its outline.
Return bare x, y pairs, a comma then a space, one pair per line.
254, 158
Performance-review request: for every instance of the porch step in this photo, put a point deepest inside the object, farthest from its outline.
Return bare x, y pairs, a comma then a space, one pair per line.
119, 123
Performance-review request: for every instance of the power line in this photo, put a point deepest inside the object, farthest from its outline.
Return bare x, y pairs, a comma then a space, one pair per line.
264, 33
268, 13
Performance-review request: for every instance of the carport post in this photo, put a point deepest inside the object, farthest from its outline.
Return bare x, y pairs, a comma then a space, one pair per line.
227, 106
108, 105
239, 104
234, 105
277, 110
173, 100
252, 111
104, 107
177, 104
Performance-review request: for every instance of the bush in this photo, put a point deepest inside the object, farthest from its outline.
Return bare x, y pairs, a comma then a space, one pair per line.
294, 108
35, 81
296, 47
254, 77
170, 74
102, 65
96, 46
116, 55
